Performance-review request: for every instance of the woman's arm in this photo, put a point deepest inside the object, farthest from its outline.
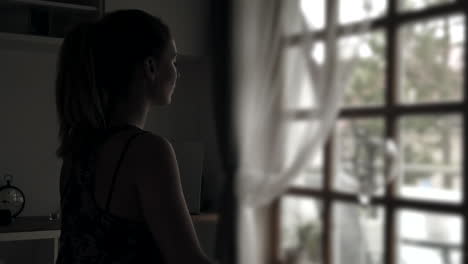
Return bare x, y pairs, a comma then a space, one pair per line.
162, 201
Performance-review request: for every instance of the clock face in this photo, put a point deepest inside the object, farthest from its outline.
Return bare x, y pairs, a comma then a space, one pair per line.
12, 200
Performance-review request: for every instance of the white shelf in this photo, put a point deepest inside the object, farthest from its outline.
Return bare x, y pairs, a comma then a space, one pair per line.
14, 37
45, 3
32, 228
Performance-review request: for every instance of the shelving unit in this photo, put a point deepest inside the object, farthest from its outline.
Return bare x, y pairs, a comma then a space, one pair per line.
54, 4
30, 38
40, 227
36, 20
32, 228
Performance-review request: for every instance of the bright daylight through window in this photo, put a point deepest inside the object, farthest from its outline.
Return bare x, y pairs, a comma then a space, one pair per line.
408, 86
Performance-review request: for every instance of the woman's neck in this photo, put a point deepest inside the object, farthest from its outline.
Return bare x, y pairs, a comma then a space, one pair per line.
130, 114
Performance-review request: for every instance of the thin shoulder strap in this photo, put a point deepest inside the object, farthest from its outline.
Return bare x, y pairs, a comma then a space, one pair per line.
122, 155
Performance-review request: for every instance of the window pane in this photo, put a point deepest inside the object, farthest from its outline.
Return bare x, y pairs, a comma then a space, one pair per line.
432, 61
432, 157
358, 10
358, 164
429, 238
358, 234
301, 228
368, 76
303, 15
312, 175
406, 5
314, 13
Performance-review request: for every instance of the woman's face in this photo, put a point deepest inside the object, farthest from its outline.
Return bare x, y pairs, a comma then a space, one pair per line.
166, 76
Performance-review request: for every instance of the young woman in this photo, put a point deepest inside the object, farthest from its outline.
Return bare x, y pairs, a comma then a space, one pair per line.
120, 191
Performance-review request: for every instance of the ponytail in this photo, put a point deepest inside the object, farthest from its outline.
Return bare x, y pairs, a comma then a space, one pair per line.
80, 105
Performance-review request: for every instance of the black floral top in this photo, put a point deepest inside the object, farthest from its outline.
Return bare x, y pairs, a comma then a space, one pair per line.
90, 234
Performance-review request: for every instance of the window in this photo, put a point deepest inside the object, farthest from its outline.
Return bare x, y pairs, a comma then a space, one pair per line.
409, 86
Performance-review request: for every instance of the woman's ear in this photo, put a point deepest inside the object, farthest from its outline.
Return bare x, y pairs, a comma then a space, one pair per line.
151, 69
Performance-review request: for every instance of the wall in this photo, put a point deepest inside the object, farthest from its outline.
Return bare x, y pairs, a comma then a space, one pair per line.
28, 134
190, 116
28, 138
188, 20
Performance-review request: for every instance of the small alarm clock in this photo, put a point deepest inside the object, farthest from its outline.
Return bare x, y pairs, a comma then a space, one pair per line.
11, 197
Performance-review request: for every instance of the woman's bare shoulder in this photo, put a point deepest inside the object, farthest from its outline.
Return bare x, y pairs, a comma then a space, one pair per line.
150, 143
153, 155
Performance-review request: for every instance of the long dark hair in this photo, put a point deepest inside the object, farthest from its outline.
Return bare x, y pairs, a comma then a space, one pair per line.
95, 69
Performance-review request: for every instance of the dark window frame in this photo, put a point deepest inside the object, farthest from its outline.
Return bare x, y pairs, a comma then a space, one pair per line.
390, 112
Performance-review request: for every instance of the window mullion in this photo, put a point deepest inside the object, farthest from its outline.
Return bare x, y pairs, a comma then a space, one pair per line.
331, 16
327, 204
465, 142
391, 93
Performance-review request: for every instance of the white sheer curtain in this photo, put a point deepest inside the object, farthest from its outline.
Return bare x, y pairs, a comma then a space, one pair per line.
263, 70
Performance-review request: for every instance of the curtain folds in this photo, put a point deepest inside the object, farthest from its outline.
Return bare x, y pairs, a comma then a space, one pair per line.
271, 78
261, 77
